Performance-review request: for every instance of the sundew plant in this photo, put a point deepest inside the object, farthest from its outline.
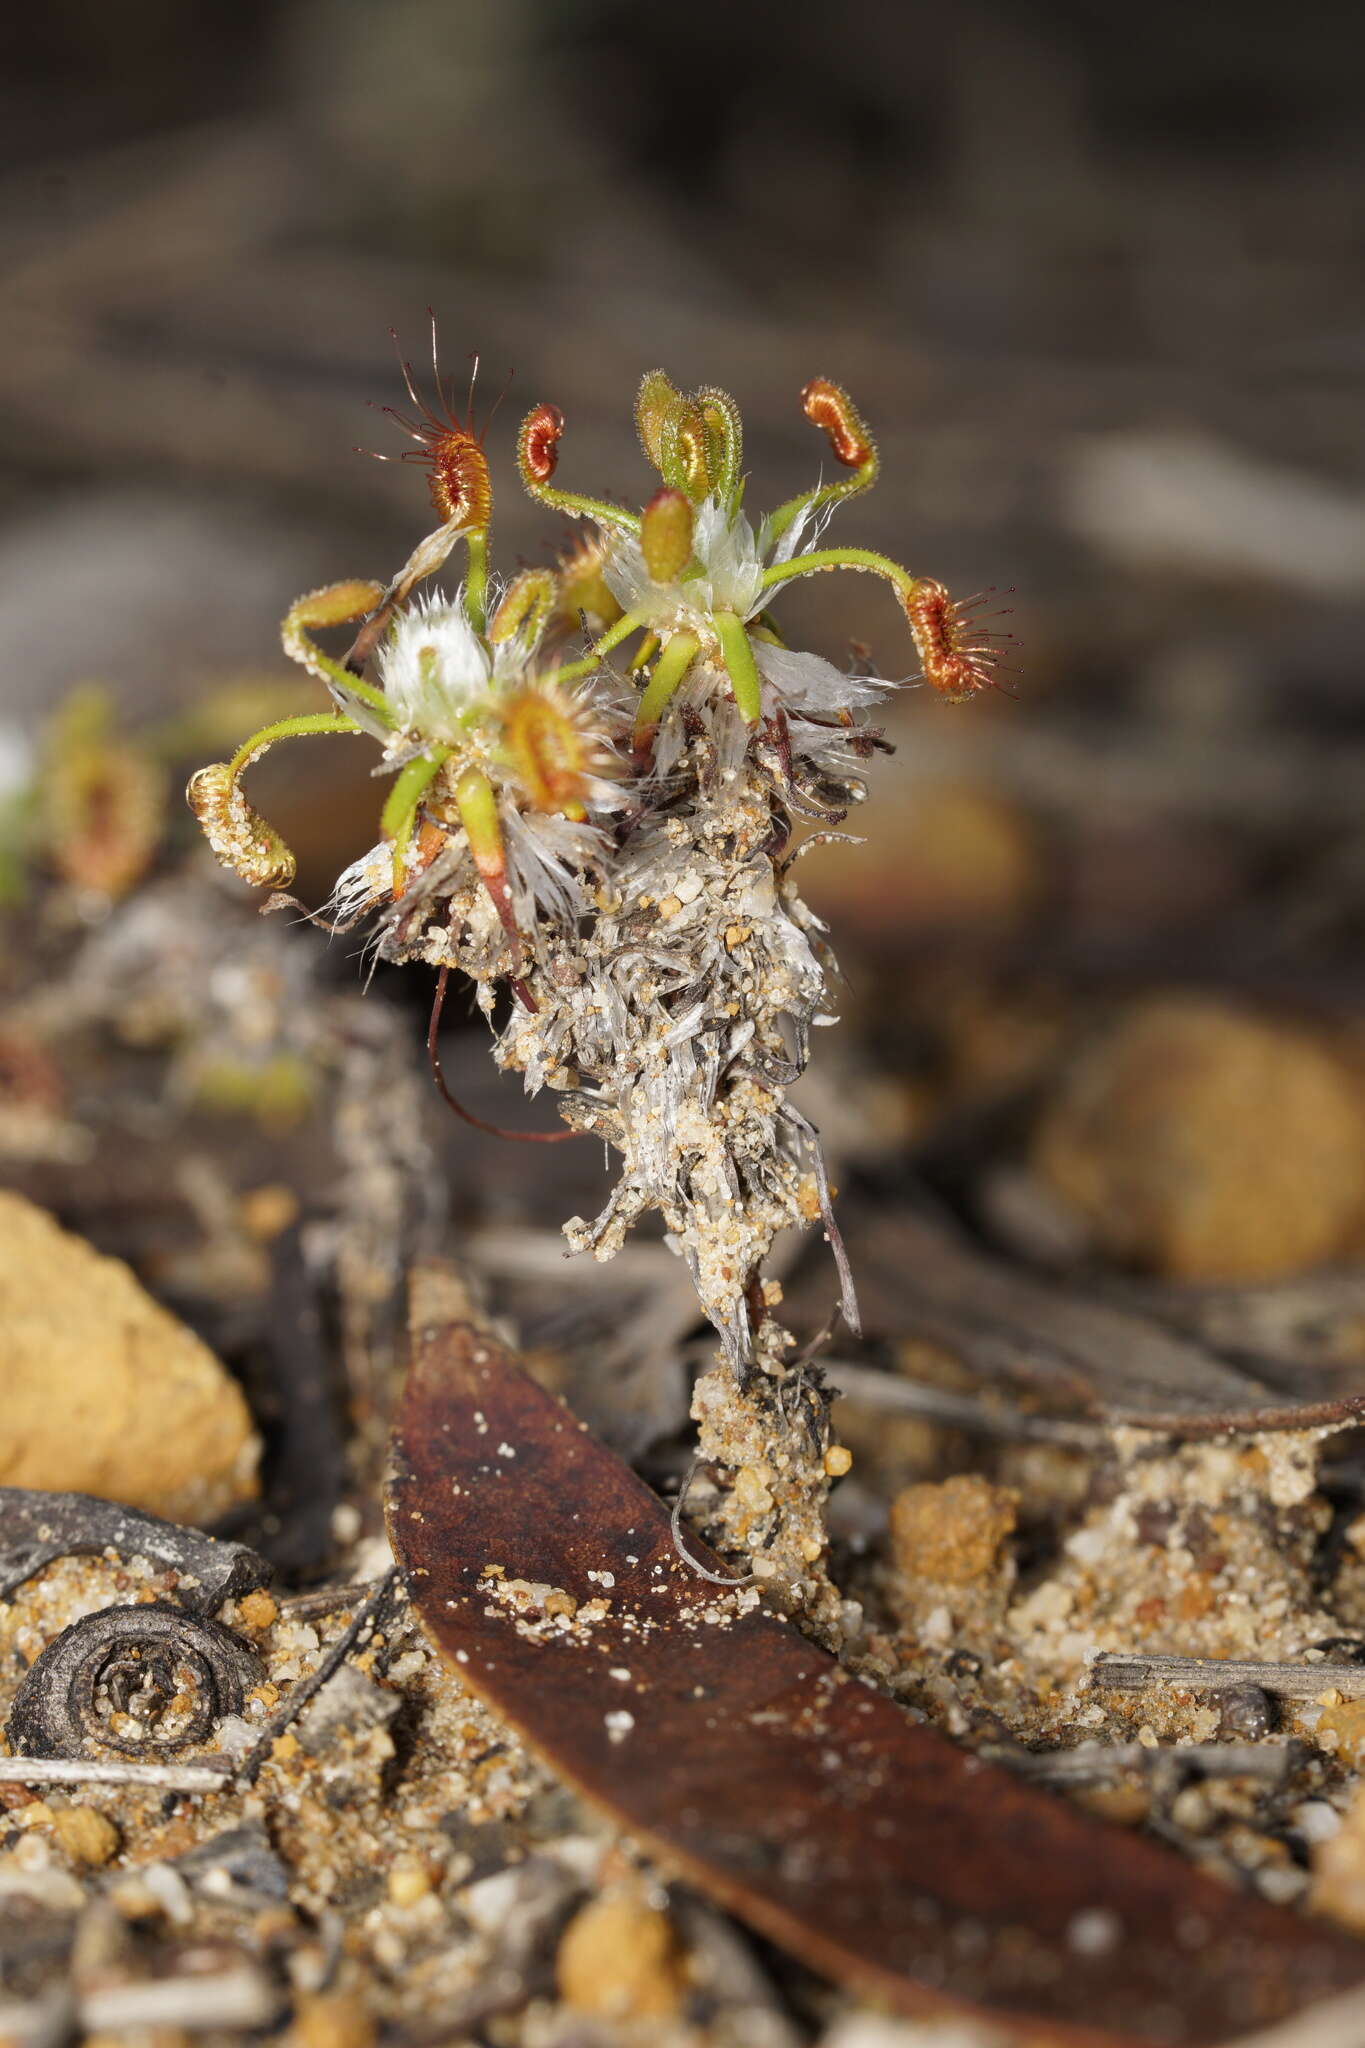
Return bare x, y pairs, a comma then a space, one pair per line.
598, 771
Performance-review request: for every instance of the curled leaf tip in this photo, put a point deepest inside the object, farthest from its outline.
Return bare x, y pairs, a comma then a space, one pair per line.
538, 445
238, 834
955, 663
526, 606
582, 586
447, 448
831, 409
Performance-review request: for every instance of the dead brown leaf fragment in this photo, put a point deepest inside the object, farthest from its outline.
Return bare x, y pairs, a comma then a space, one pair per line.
746, 1760
1088, 1353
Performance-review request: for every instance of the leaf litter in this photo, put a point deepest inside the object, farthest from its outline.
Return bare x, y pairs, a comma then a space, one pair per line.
778, 1782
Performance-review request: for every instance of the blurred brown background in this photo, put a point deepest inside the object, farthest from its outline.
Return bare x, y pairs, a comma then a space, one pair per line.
1095, 280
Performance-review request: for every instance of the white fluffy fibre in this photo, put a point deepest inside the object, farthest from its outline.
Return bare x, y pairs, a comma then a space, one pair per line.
808, 683
434, 669
732, 572
546, 859
360, 886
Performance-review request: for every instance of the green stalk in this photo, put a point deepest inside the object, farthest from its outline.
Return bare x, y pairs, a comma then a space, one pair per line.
399, 814
300, 647
669, 670
476, 577
862, 479
628, 623
478, 807
289, 728
579, 507
738, 656
839, 558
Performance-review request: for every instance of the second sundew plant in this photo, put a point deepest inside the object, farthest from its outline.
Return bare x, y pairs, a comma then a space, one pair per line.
596, 770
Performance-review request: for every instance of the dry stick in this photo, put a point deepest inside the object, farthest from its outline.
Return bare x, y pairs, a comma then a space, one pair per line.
891, 1392
1094, 1762
1118, 1671
366, 1619
321, 1600
239, 1997
75, 1770
812, 1349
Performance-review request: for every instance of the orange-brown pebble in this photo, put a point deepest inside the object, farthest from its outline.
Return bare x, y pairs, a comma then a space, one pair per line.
961, 857
146, 1413
1207, 1143
953, 1531
257, 1610
409, 1881
838, 1461
87, 1836
619, 1960
266, 1211
333, 2019
1125, 1806
1196, 1600
1346, 1720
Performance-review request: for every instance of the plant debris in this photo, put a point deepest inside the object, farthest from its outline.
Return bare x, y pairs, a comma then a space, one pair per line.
1087, 1350
1305, 1681
808, 1803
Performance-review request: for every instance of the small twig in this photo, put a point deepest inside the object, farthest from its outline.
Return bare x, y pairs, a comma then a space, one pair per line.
321, 1600
897, 1395
1116, 1671
238, 1997
77, 1770
1093, 1763
811, 1350
366, 1619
